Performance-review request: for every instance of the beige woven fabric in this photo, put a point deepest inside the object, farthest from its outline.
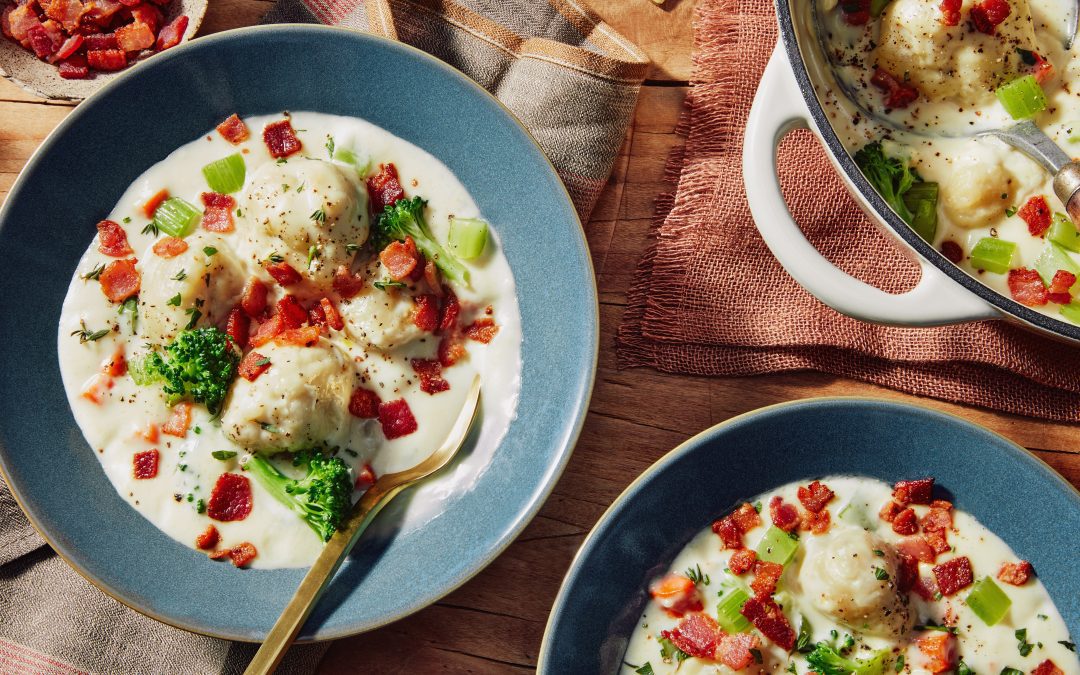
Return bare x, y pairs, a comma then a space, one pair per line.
569, 77
709, 298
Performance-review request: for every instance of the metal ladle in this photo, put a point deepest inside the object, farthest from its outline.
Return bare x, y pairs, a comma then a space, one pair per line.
1030, 140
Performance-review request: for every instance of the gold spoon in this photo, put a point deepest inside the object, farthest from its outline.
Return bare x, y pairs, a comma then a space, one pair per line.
292, 618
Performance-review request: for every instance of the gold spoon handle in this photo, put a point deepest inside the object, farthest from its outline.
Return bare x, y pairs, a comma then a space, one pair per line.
296, 613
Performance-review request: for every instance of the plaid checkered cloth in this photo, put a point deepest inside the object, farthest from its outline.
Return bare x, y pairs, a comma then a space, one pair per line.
570, 78
572, 81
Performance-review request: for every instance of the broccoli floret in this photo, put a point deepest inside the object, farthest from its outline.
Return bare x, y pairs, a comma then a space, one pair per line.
827, 661
889, 176
406, 218
322, 498
198, 366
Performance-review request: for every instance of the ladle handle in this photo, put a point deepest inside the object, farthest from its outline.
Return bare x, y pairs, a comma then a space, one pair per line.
1067, 189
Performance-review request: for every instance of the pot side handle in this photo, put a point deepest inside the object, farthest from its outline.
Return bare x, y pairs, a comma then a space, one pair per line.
779, 108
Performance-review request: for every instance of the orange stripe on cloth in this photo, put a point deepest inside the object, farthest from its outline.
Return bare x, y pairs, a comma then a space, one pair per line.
19, 659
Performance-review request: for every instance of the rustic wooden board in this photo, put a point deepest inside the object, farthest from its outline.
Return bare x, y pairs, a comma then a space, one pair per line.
494, 623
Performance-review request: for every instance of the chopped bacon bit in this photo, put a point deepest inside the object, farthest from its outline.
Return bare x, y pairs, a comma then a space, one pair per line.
1027, 287
482, 330
856, 12
333, 317
237, 327
950, 12
146, 464
914, 491
736, 651
291, 311
364, 403
889, 512
150, 206
1060, 290
134, 37
347, 284
283, 273
400, 259
120, 280
41, 41
317, 317
112, 240
217, 216
907, 571
426, 312
1016, 574
266, 331
253, 365
676, 594
448, 310
384, 188
396, 419
926, 587
74, 68
179, 422
219, 554
172, 33
106, 59
766, 575
941, 504
938, 651
815, 496
953, 575
1043, 70
917, 548
234, 130
149, 433
1047, 667
70, 46
742, 561
746, 516
988, 14
101, 41
146, 13
431, 276
169, 247
299, 337
280, 139
242, 554
208, 539
906, 522
253, 299
451, 349
817, 523
938, 521
951, 250
230, 499
898, 95
1036, 213
116, 365
430, 373
937, 541
728, 531
67, 12
365, 478
216, 199
768, 618
784, 516
697, 634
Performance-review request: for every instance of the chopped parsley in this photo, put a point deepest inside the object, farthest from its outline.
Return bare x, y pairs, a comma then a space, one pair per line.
352, 248
209, 250
312, 254
319, 216
94, 273
300, 188
283, 160
131, 308
274, 258
1010, 212
931, 626
757, 506
127, 219
669, 651
200, 506
223, 454
880, 574
180, 276
804, 642
266, 426
263, 362
879, 553
1009, 670
899, 666
195, 315
695, 575
330, 152
1022, 645
174, 301
87, 335
383, 285
1071, 646
964, 669
756, 653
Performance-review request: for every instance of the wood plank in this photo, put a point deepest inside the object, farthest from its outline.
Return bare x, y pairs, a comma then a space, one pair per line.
664, 33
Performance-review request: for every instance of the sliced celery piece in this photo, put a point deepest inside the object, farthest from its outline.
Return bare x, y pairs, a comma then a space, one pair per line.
777, 546
176, 217
1071, 312
856, 515
349, 157
993, 255
1063, 232
1052, 259
1022, 98
727, 612
468, 237
225, 175
988, 601
921, 199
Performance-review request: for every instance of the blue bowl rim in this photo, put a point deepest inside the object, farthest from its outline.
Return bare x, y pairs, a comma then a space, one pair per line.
570, 433
692, 443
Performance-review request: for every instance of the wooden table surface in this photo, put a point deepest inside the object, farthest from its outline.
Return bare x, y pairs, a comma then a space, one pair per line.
494, 623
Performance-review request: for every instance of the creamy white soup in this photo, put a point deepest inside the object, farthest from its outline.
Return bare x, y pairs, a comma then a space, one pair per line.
847, 575
276, 314
908, 85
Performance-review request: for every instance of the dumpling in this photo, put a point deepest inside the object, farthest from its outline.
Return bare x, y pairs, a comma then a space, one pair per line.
977, 190
300, 402
310, 212
838, 577
952, 62
196, 287
381, 319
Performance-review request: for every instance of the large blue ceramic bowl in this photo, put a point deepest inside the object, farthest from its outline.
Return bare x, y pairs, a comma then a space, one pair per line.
82, 169
1007, 488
